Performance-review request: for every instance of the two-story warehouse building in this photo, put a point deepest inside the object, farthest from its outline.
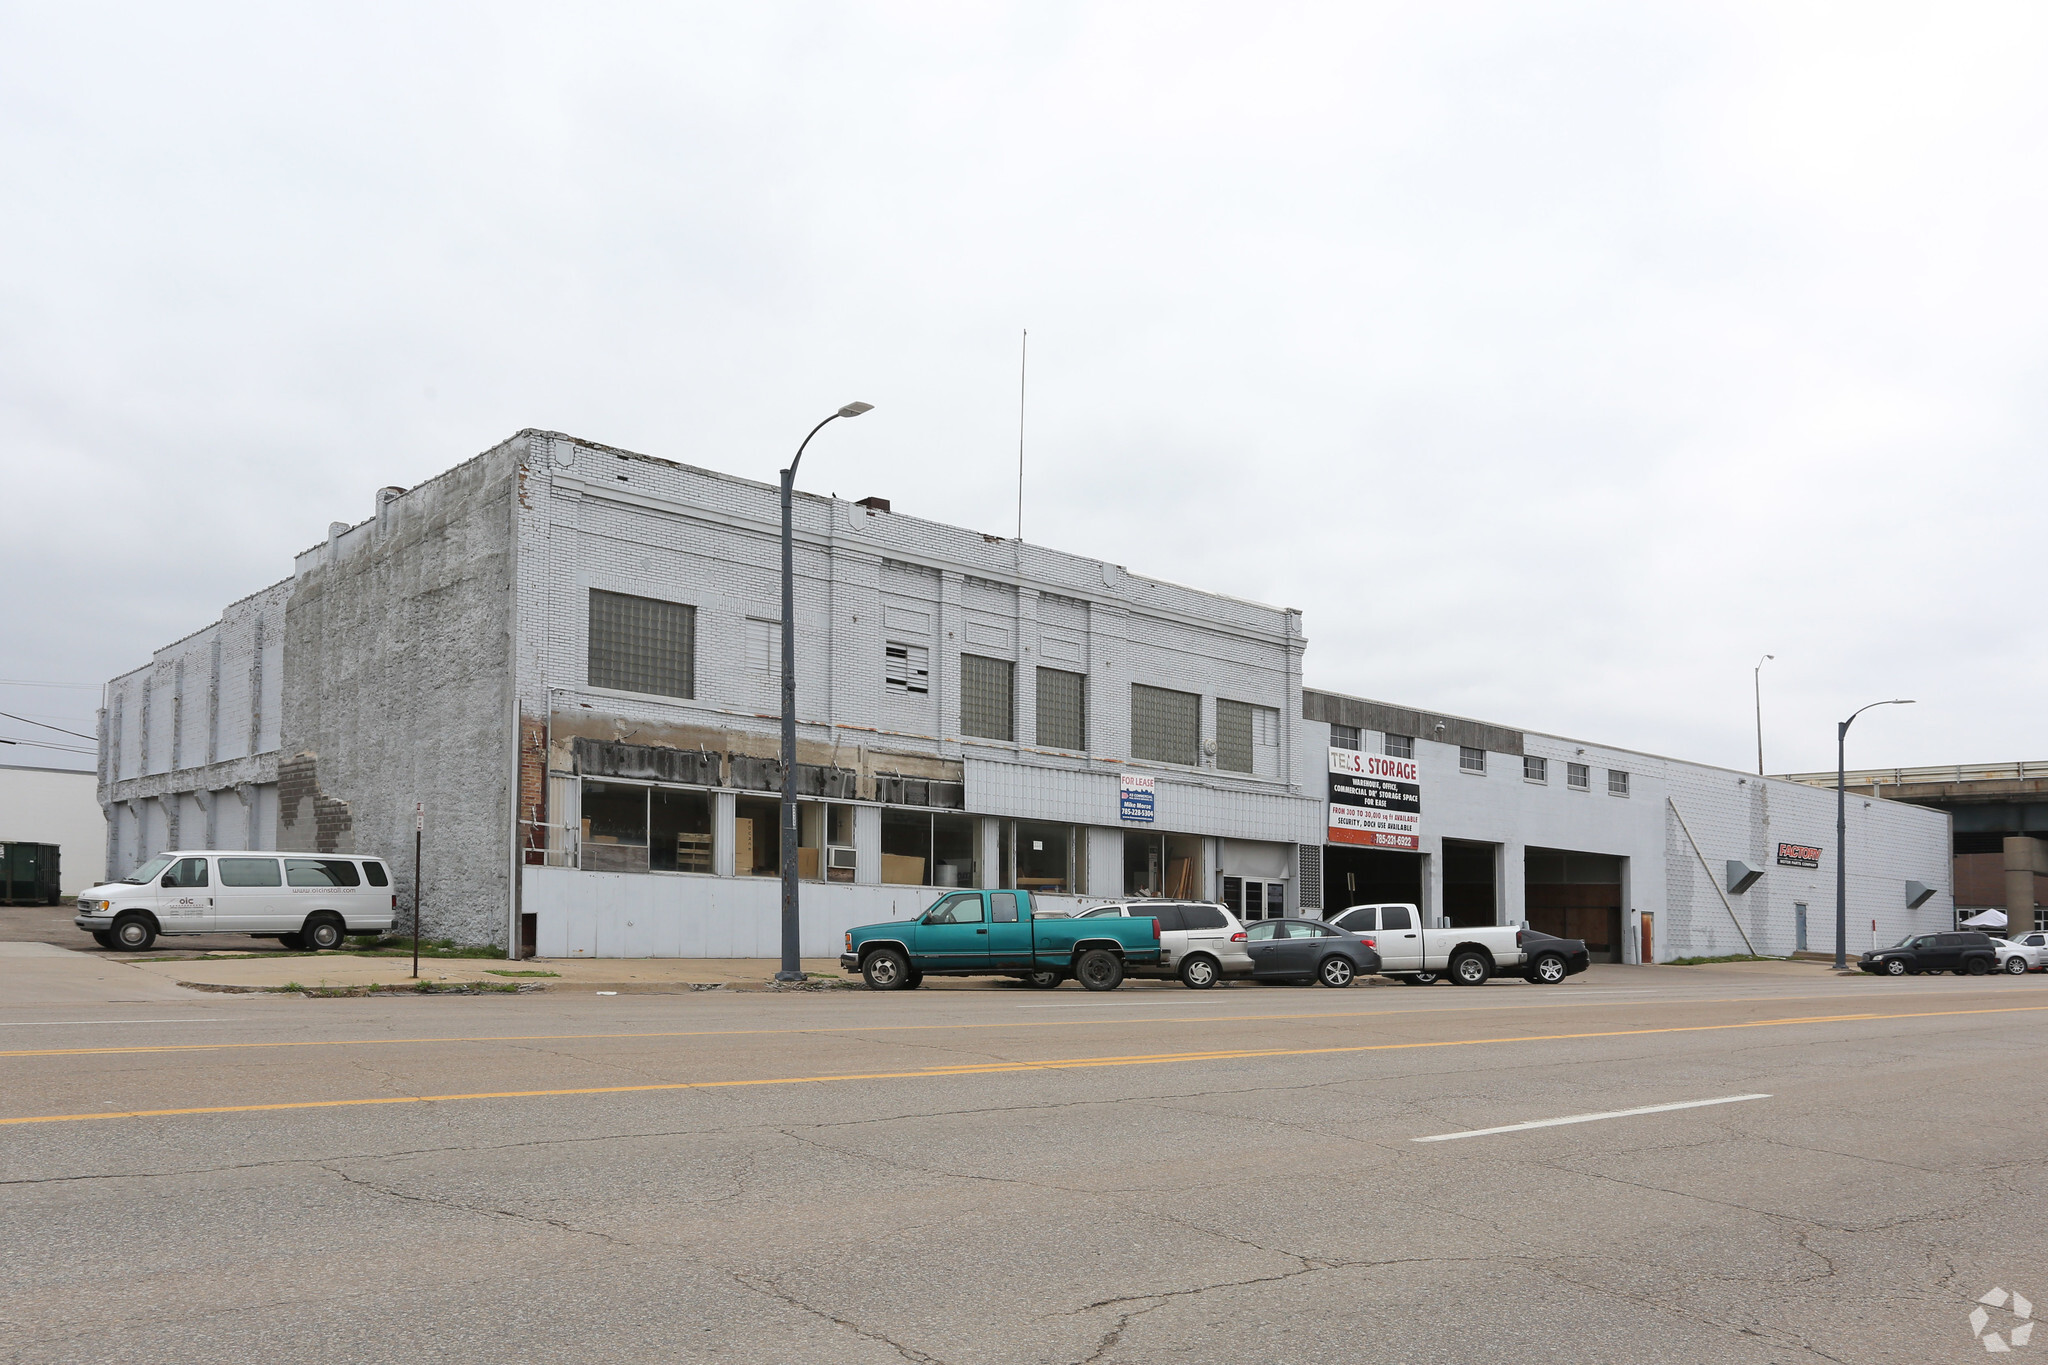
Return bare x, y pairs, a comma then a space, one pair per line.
564, 656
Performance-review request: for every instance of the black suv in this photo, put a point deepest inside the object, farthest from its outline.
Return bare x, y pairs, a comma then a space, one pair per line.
1961, 952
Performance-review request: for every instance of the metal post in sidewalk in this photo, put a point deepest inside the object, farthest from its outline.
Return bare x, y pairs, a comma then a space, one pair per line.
419, 823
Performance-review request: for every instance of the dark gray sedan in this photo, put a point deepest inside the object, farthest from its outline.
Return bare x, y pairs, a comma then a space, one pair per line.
1305, 950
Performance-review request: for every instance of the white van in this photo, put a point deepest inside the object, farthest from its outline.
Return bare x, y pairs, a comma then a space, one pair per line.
306, 900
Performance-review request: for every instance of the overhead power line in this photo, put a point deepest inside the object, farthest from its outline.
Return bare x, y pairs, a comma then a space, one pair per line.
40, 725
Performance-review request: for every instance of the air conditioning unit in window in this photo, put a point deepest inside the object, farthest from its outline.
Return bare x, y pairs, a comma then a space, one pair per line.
840, 863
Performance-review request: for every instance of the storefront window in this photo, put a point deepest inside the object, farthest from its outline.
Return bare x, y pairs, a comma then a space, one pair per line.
824, 846
614, 827
757, 836
1051, 859
1162, 865
924, 848
679, 825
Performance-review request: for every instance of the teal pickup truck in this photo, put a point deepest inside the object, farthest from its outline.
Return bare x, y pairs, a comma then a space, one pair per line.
998, 933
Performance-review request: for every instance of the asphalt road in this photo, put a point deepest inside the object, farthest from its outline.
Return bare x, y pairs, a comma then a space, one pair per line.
1006, 1176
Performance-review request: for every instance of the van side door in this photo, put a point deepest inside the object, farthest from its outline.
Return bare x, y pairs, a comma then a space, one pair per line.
184, 901
249, 898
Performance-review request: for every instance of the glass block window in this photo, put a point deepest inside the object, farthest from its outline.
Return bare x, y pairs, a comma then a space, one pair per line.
1471, 760
638, 644
906, 668
1535, 769
1062, 709
1617, 783
1344, 737
1166, 727
988, 697
1400, 746
1234, 736
1578, 776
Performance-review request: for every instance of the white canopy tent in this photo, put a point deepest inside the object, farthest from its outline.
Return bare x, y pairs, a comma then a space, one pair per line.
1989, 919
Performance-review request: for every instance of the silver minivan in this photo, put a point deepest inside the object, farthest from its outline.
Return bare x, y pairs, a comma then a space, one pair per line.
1200, 942
305, 900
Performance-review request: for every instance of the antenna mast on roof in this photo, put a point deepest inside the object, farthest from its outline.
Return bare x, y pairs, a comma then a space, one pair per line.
1023, 359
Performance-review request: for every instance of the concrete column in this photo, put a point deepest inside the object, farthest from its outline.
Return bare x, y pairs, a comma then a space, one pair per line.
2025, 857
1511, 903
991, 851
722, 814
867, 844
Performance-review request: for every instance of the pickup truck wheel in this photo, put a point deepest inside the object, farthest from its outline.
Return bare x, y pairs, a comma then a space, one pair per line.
1045, 981
913, 981
1549, 970
1978, 966
1336, 972
1099, 970
133, 933
1199, 973
2014, 965
1418, 979
885, 970
1470, 969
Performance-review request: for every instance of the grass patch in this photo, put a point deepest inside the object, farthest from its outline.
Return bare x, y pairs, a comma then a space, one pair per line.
493, 971
1703, 961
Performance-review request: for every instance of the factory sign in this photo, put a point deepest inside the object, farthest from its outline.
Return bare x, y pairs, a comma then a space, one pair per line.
1798, 855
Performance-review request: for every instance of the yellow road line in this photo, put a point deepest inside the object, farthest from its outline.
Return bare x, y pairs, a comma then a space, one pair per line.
827, 1029
1001, 1068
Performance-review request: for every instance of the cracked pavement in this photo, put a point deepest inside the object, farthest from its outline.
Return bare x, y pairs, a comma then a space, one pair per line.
1228, 1209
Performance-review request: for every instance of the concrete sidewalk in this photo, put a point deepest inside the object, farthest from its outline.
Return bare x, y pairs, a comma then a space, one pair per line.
348, 970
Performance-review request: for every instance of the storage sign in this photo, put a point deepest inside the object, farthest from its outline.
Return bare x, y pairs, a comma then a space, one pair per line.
1375, 801
1134, 798
1798, 855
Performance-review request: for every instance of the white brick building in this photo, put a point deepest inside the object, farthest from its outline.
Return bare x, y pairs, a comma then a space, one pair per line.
567, 654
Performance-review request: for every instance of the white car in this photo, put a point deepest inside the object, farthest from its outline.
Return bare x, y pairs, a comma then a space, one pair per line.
1200, 942
2027, 953
306, 900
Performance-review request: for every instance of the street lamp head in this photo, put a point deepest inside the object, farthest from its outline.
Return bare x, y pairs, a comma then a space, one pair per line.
856, 409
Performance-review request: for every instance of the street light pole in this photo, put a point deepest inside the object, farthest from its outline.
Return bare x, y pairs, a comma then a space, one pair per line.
792, 965
1842, 830
1757, 679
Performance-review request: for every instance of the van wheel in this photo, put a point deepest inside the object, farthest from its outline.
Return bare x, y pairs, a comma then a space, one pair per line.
885, 970
291, 941
1470, 969
1550, 970
1335, 972
1045, 981
1099, 970
1199, 973
323, 932
133, 933
105, 938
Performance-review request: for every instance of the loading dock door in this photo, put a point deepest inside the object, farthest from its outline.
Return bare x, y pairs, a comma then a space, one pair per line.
1575, 895
1369, 876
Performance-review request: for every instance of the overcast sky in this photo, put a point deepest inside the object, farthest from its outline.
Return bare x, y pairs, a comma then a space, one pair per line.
1557, 360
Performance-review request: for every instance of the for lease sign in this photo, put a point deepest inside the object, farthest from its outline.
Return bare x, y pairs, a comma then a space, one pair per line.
1375, 801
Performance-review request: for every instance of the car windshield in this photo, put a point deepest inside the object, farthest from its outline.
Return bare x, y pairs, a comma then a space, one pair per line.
146, 872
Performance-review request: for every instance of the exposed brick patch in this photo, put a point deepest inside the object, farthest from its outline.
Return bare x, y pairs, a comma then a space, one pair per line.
307, 818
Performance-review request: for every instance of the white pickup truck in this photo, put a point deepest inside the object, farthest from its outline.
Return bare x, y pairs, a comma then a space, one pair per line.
1418, 955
